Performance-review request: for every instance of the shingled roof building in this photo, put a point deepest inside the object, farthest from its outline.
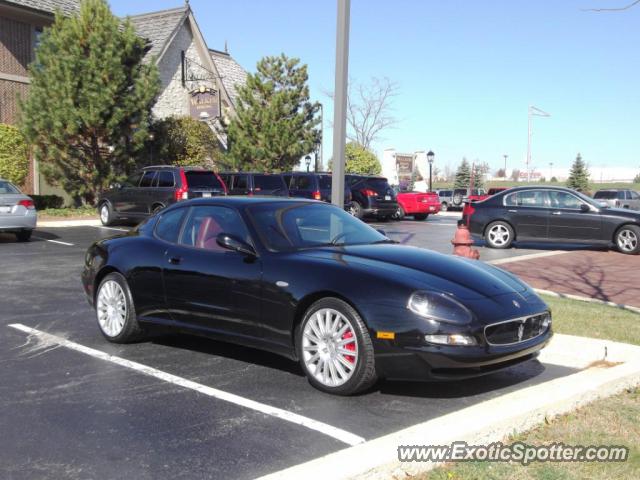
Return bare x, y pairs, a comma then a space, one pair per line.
195, 80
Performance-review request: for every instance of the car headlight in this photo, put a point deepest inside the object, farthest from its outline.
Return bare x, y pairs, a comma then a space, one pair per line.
453, 339
440, 307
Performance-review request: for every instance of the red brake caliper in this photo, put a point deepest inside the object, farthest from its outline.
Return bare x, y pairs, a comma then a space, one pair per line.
349, 346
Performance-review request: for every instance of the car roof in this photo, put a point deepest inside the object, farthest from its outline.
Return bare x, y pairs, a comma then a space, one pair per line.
251, 173
240, 200
171, 167
538, 187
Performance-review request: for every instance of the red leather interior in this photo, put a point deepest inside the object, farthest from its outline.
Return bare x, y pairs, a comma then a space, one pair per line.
209, 230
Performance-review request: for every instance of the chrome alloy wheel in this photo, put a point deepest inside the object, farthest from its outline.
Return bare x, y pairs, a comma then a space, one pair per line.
111, 308
627, 240
499, 235
104, 214
329, 347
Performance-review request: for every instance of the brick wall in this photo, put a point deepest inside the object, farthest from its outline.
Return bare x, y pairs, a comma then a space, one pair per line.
15, 46
9, 93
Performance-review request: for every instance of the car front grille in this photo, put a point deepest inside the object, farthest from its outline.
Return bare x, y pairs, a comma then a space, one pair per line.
517, 330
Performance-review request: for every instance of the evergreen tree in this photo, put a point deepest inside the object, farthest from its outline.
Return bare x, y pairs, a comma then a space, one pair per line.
463, 175
479, 170
579, 175
89, 103
185, 141
636, 179
275, 123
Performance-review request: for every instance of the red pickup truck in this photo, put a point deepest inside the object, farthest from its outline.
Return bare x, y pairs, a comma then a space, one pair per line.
419, 205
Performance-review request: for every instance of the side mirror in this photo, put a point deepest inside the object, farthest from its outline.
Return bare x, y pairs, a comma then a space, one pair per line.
231, 242
584, 208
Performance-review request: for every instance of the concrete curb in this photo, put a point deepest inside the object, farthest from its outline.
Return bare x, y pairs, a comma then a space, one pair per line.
489, 421
90, 222
597, 301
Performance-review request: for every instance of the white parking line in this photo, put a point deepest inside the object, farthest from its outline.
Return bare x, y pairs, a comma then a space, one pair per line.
337, 433
530, 256
55, 241
110, 228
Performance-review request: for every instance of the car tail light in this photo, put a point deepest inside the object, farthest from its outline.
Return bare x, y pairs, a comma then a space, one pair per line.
257, 189
316, 195
28, 204
182, 193
368, 192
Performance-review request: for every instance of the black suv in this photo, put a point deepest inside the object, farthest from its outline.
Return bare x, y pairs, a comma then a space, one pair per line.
153, 188
248, 183
314, 185
371, 196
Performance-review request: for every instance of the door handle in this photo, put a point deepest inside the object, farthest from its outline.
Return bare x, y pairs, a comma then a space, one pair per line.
175, 260
513, 211
556, 213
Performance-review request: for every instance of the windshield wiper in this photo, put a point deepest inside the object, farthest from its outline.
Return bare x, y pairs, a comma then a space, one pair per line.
385, 240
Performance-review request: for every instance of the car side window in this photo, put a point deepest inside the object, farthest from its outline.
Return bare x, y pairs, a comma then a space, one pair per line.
288, 180
303, 182
240, 181
147, 178
531, 198
634, 196
511, 200
165, 179
564, 200
206, 222
168, 227
133, 180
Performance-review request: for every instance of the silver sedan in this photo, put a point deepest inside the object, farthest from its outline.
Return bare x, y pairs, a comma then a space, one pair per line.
17, 211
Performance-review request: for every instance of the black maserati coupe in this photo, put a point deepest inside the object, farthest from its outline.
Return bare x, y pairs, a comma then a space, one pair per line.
309, 281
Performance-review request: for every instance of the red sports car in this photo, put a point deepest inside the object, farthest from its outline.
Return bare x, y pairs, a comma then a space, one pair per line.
417, 204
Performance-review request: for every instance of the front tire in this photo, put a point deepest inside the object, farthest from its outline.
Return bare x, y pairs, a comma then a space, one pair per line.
335, 349
115, 310
628, 239
106, 214
499, 235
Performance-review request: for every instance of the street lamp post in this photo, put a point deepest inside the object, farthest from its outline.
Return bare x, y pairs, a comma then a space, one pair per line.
319, 150
430, 157
505, 164
151, 139
533, 112
307, 161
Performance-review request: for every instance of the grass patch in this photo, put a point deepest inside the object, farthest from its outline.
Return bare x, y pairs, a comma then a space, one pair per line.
584, 319
611, 421
68, 212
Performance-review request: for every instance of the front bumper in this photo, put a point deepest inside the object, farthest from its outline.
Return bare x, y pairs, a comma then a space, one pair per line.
446, 362
19, 221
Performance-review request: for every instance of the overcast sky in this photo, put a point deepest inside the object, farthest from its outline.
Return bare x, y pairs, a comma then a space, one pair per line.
466, 69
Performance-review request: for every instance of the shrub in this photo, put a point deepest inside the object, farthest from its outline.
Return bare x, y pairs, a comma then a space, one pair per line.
43, 202
14, 155
184, 141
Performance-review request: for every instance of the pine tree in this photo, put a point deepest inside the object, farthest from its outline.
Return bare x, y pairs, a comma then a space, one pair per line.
463, 175
579, 175
275, 123
90, 99
479, 170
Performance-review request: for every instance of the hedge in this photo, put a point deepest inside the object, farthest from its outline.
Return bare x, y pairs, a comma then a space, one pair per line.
43, 202
14, 155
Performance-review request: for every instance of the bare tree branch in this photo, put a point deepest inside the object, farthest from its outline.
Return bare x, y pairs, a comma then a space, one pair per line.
615, 9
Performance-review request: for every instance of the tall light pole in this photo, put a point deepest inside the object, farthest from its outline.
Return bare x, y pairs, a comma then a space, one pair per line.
318, 161
550, 170
505, 164
430, 157
533, 112
340, 102
307, 161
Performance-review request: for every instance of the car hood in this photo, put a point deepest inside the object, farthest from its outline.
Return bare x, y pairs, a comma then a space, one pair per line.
621, 212
467, 279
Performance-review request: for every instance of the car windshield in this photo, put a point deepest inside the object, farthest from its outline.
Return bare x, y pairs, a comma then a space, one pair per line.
203, 179
6, 187
286, 226
606, 195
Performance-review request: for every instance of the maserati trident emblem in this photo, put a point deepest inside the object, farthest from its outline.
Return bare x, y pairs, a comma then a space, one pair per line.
520, 331
516, 304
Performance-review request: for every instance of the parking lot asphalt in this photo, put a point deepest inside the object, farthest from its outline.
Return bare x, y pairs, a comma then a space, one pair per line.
70, 415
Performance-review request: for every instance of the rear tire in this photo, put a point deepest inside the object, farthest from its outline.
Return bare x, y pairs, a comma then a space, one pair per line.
499, 235
399, 215
627, 239
336, 354
115, 311
106, 214
444, 207
356, 210
420, 216
24, 235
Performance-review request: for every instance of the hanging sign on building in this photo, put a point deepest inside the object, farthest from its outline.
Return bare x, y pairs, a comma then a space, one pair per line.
204, 103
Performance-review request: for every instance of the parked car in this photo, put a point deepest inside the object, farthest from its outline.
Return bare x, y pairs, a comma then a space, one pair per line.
552, 214
238, 269
17, 212
417, 204
250, 183
446, 199
371, 196
461, 195
153, 188
316, 186
619, 198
